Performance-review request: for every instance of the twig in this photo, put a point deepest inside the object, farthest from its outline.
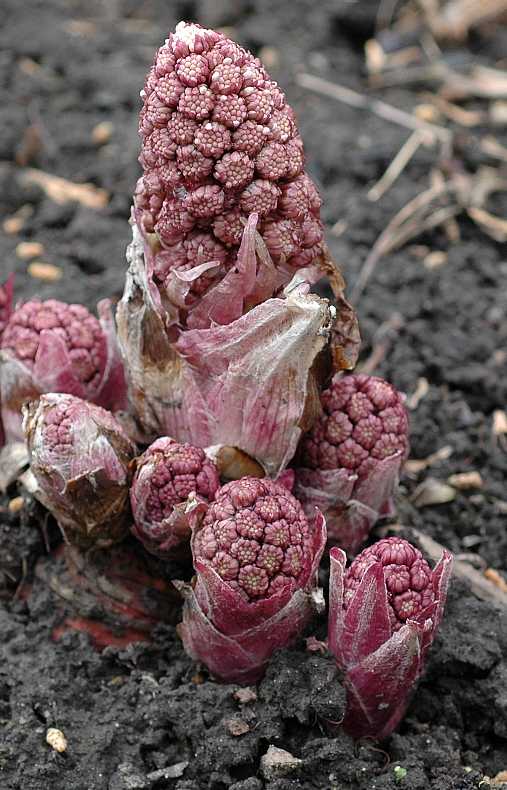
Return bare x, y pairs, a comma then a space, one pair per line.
398, 164
380, 108
383, 340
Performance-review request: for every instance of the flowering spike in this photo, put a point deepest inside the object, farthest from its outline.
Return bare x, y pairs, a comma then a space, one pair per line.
351, 459
256, 556
56, 347
171, 481
384, 612
222, 127
79, 456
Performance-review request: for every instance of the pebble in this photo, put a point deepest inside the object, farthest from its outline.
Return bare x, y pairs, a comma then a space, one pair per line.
45, 271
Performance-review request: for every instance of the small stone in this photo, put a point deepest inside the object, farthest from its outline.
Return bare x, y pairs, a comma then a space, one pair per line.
45, 271
245, 695
55, 738
102, 132
29, 249
463, 481
435, 259
433, 492
15, 505
278, 762
237, 727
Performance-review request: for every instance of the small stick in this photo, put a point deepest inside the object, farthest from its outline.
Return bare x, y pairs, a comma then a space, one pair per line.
398, 164
380, 108
383, 340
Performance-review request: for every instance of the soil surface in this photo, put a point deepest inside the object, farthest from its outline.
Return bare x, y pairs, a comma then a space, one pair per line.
144, 716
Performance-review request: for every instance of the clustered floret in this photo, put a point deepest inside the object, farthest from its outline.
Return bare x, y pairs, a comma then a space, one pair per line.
219, 141
257, 537
174, 472
407, 576
364, 421
79, 330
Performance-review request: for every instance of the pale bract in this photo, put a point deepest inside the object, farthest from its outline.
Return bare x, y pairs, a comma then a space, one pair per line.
80, 458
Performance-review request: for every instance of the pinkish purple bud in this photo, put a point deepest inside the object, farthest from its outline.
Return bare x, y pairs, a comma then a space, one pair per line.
351, 459
56, 347
256, 557
218, 140
80, 456
171, 480
384, 612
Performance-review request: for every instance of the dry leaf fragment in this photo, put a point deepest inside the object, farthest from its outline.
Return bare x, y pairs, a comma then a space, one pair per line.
415, 465
56, 739
62, 191
421, 390
432, 492
496, 578
464, 481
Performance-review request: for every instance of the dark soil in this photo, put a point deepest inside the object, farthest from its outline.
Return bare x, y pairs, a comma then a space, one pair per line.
144, 717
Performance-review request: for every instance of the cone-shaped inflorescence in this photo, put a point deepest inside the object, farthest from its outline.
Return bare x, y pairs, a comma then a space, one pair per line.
351, 459
256, 556
219, 143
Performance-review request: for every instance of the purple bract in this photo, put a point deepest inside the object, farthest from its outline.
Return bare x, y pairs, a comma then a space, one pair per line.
384, 612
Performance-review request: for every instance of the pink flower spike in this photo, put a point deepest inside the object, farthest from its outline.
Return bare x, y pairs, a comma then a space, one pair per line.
384, 612
349, 463
218, 141
256, 556
171, 485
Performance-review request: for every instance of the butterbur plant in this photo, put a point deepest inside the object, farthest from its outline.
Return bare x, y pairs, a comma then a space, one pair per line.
171, 480
349, 463
51, 346
218, 330
256, 557
80, 458
384, 612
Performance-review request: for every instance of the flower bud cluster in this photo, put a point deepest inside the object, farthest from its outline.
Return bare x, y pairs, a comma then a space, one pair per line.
364, 421
256, 537
220, 142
